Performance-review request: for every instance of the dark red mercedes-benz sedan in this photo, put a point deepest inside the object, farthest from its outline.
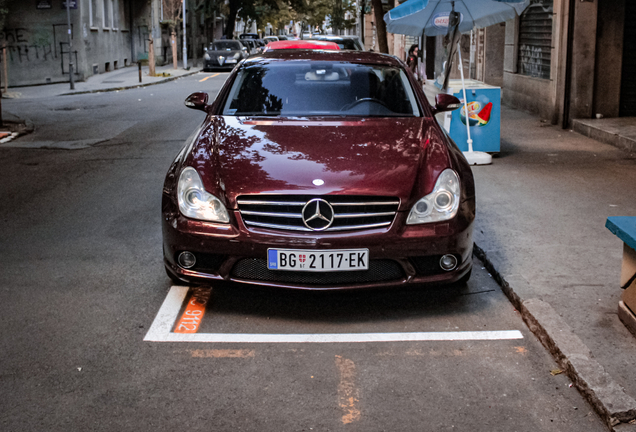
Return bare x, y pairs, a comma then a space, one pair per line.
319, 170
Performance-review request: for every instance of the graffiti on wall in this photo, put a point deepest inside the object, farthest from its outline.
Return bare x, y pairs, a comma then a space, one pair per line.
531, 61
23, 48
26, 47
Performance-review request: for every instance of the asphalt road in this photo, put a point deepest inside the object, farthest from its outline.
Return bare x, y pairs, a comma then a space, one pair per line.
82, 283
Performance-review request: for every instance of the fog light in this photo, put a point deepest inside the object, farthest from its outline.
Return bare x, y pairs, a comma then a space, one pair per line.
448, 262
187, 259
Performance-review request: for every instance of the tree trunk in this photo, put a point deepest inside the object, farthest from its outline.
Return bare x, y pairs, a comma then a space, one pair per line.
173, 43
151, 56
380, 26
231, 19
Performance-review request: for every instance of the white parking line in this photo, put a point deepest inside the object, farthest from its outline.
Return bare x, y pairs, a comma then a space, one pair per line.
160, 331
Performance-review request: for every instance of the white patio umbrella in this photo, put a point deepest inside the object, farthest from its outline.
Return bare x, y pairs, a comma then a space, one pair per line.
431, 18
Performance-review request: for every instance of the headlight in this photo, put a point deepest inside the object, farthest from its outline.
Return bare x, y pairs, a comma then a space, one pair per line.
237, 55
206, 56
195, 202
439, 205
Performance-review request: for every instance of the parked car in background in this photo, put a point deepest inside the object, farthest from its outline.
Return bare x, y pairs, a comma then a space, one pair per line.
260, 44
248, 36
268, 39
224, 54
252, 47
301, 44
319, 170
351, 43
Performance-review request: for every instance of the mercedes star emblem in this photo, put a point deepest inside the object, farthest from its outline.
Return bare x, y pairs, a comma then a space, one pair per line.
318, 214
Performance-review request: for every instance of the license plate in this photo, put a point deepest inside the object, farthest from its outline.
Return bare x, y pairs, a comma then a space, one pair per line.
318, 261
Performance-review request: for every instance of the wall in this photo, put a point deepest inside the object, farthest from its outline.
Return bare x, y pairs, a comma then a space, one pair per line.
495, 38
609, 56
106, 43
583, 60
36, 39
542, 97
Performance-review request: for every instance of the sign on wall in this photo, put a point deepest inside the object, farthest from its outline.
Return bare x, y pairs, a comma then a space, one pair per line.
43, 4
72, 6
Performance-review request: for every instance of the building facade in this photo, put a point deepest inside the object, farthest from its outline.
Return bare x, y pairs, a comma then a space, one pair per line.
566, 59
106, 35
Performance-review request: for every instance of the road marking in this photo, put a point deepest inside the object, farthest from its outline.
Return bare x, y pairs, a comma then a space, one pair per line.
160, 331
348, 393
194, 312
208, 77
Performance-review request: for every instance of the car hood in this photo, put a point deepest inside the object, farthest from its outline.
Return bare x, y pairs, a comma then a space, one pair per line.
376, 156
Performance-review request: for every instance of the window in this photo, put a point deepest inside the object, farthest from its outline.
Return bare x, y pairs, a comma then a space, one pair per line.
321, 89
114, 10
106, 16
535, 39
92, 9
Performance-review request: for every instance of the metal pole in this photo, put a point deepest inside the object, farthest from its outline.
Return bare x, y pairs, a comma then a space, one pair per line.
185, 45
6, 70
70, 44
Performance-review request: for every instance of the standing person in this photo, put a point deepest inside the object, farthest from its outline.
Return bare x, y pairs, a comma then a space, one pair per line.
411, 61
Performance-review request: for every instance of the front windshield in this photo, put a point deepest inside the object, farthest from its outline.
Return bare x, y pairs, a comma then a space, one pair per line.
319, 88
226, 46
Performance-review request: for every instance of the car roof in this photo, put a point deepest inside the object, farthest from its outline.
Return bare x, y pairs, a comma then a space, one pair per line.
302, 44
360, 57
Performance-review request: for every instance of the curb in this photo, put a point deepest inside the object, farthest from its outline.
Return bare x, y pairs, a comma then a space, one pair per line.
29, 128
590, 130
110, 89
613, 405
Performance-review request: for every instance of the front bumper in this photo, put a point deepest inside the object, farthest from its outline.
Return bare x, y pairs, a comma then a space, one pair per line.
214, 64
399, 255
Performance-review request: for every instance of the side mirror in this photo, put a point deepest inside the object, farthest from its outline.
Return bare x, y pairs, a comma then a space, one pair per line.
198, 101
445, 102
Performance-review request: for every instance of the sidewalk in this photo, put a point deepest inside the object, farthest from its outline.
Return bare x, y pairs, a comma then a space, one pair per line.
119, 79
540, 230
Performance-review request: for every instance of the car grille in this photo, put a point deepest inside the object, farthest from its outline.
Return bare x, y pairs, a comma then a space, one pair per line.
284, 212
380, 270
